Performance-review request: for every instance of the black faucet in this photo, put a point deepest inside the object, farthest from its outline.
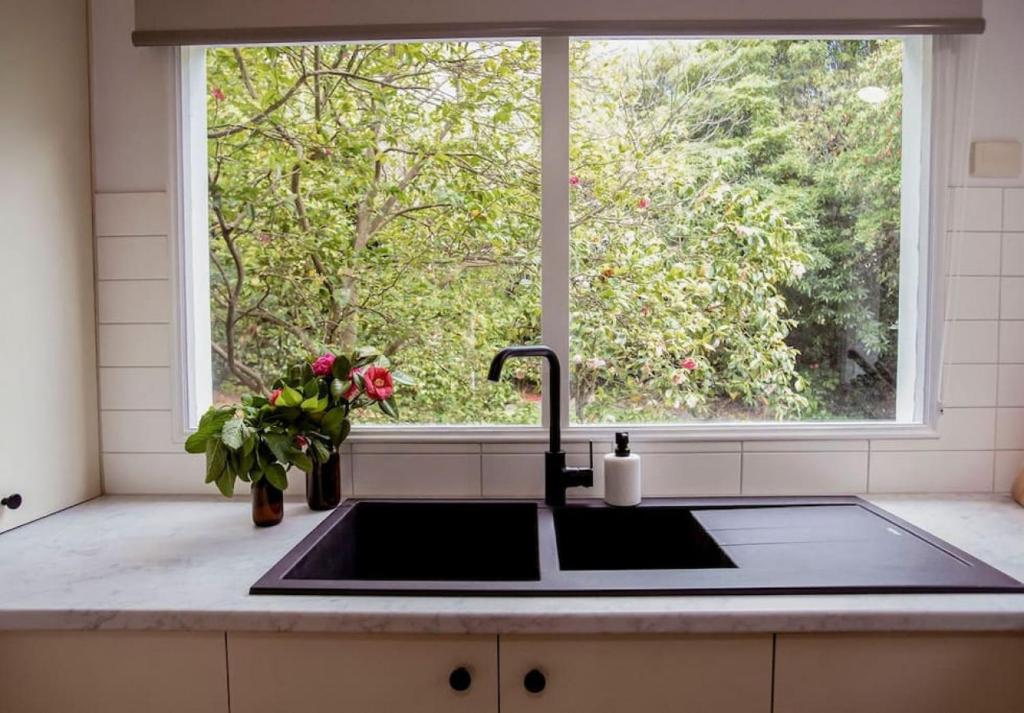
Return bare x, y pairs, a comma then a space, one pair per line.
557, 476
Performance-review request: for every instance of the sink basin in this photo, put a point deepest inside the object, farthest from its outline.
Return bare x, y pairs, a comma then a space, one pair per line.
600, 538
742, 545
425, 541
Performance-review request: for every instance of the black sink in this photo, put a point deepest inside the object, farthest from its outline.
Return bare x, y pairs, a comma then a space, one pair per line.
812, 545
599, 538
427, 541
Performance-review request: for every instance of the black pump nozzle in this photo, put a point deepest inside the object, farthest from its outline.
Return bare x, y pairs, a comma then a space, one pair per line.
622, 444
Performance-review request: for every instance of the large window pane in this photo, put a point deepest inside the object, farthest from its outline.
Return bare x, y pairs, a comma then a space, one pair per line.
379, 194
735, 229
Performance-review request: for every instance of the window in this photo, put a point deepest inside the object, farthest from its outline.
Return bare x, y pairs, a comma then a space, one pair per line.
741, 242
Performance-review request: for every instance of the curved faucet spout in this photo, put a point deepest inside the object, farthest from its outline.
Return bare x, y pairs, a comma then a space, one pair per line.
554, 383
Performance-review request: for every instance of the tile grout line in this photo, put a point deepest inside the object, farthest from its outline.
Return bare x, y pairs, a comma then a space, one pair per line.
999, 330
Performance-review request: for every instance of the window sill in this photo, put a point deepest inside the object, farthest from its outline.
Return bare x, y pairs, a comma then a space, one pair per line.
853, 431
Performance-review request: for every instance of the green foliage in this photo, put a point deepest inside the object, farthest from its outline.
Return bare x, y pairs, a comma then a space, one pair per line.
735, 227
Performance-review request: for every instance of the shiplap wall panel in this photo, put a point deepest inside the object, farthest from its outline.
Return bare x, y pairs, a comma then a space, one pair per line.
135, 388
134, 301
135, 257
134, 344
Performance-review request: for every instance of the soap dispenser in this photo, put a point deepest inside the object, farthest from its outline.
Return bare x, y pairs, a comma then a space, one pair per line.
622, 477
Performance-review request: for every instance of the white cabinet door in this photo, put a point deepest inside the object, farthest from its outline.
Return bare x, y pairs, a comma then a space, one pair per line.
112, 672
637, 674
899, 673
374, 673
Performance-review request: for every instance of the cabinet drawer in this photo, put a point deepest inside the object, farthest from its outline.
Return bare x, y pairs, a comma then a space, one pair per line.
899, 673
307, 673
638, 674
112, 672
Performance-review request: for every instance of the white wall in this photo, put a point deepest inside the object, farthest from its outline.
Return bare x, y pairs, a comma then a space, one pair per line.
48, 432
982, 431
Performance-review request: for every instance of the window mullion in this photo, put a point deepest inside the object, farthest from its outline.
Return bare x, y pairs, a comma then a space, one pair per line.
555, 209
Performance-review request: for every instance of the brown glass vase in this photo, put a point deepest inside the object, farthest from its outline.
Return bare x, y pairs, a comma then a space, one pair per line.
267, 504
323, 484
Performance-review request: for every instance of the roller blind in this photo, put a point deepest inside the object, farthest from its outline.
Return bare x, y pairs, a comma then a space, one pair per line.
183, 22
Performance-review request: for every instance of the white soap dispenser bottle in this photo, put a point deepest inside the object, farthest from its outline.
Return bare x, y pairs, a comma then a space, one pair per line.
622, 476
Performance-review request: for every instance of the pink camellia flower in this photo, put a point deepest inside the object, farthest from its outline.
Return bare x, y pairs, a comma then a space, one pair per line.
379, 385
323, 365
273, 396
688, 363
217, 94
643, 203
301, 442
574, 180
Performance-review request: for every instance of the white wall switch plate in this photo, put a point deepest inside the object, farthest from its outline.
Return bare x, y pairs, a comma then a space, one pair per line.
995, 159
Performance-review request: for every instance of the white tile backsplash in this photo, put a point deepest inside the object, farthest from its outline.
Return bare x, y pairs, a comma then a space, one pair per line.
416, 475
132, 258
974, 254
803, 446
1011, 385
690, 474
1009, 464
932, 472
977, 209
832, 473
1011, 342
960, 429
1012, 298
1010, 429
1013, 254
134, 344
133, 301
974, 298
974, 342
1013, 209
969, 385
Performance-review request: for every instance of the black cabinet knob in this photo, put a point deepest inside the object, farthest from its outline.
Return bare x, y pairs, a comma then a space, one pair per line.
460, 679
11, 501
534, 681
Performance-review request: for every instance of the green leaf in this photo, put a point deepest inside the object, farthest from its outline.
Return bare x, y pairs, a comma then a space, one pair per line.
337, 389
231, 435
196, 443
280, 445
289, 397
342, 366
319, 450
313, 404
226, 484
301, 461
400, 377
216, 459
276, 476
312, 388
389, 407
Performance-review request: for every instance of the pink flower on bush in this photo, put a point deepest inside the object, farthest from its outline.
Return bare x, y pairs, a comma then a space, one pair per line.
323, 365
688, 363
574, 180
217, 94
301, 442
643, 203
379, 385
352, 391
274, 395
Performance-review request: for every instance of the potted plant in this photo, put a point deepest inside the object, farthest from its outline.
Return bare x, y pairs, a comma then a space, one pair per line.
317, 399
249, 442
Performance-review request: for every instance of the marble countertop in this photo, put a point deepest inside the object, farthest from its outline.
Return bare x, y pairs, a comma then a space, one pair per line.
167, 563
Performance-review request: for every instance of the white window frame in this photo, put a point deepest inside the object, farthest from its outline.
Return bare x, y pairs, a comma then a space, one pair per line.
920, 320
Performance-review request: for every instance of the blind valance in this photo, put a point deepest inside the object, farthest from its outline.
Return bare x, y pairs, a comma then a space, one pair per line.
190, 22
